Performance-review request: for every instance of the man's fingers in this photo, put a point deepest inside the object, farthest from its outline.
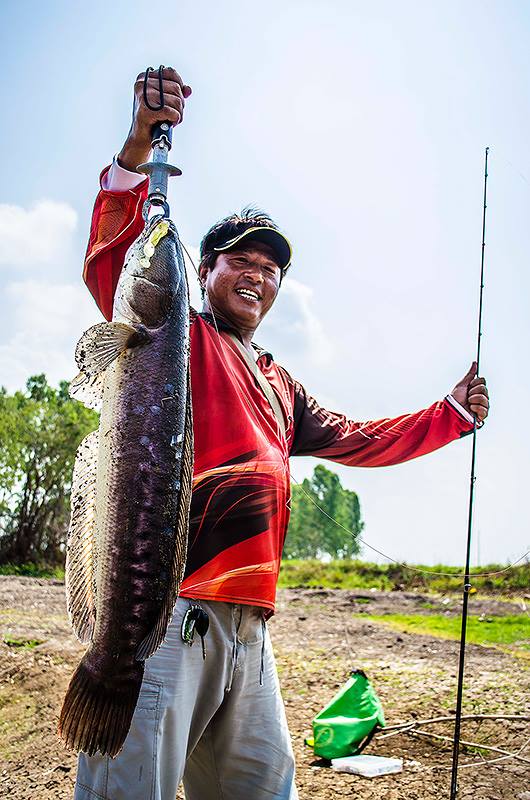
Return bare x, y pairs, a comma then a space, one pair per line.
168, 87
168, 74
480, 400
172, 93
480, 407
166, 114
171, 101
480, 412
472, 392
478, 388
174, 100
169, 114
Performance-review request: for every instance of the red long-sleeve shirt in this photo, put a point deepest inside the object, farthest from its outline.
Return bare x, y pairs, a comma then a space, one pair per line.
241, 486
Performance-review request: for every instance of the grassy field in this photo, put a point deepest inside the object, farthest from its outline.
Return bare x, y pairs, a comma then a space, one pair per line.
510, 633
348, 574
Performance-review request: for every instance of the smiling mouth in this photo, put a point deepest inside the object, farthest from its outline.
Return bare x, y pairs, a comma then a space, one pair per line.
248, 294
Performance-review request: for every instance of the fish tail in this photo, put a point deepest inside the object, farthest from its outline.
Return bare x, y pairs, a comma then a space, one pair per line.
96, 715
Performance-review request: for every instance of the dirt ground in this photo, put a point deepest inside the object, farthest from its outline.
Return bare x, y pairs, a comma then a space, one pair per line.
319, 636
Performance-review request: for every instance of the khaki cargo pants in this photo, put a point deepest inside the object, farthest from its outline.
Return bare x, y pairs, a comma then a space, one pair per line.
209, 723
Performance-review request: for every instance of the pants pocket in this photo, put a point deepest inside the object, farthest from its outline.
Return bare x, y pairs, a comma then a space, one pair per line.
149, 698
132, 774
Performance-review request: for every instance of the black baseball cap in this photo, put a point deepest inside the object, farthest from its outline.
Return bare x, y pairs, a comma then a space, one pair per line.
254, 226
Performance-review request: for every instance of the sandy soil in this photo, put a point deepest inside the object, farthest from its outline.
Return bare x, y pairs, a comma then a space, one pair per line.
318, 636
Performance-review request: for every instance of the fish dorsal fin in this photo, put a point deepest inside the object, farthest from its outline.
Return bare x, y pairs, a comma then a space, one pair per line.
81, 553
88, 389
157, 634
101, 344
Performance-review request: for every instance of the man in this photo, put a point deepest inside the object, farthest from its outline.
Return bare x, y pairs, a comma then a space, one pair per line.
215, 719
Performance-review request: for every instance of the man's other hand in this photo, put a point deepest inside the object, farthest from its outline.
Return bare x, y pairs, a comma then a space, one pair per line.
137, 146
472, 393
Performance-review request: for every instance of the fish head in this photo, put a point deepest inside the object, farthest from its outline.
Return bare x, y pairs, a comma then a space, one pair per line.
152, 275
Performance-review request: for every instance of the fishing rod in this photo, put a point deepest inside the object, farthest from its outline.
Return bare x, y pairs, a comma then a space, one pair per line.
158, 169
467, 579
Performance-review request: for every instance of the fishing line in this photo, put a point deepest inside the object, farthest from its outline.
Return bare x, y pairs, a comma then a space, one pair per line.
391, 559
402, 563
517, 171
513, 167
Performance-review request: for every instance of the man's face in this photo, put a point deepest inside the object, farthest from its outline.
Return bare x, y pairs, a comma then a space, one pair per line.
243, 284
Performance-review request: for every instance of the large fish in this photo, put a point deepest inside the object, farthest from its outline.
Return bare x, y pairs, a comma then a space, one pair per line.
131, 490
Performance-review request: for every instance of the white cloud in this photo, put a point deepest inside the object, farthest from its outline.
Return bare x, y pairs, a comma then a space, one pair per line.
46, 320
38, 235
307, 323
43, 321
293, 327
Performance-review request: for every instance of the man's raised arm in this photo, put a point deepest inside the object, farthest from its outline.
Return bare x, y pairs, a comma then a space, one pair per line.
117, 216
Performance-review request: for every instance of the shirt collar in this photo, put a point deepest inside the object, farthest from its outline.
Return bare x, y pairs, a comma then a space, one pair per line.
221, 325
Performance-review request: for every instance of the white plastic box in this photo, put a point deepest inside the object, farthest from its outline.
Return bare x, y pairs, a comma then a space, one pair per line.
368, 766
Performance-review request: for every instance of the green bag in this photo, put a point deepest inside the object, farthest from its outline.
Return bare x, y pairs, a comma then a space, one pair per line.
351, 717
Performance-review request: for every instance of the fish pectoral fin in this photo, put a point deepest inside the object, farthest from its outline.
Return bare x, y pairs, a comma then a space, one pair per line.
88, 389
101, 344
81, 551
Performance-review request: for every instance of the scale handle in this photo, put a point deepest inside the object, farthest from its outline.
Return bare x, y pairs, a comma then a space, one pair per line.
162, 132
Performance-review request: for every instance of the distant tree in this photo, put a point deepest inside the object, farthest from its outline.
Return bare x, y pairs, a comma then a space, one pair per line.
312, 533
40, 430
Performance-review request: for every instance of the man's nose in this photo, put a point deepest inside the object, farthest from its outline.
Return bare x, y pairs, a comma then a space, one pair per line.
255, 274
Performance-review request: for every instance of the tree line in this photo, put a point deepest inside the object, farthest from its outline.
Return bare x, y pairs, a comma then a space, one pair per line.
40, 429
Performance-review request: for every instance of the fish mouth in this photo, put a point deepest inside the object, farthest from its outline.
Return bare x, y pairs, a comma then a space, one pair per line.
249, 294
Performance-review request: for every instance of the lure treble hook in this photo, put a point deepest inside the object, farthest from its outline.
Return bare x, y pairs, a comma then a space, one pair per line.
158, 169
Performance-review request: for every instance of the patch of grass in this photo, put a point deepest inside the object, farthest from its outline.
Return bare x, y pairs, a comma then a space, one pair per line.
28, 644
33, 570
511, 632
343, 574
351, 574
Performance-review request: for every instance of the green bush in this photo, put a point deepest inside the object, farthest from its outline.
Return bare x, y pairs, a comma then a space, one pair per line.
33, 570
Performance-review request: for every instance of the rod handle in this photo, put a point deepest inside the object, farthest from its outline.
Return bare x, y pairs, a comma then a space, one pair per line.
160, 132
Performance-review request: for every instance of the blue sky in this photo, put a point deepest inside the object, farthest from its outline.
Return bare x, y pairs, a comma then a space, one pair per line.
361, 128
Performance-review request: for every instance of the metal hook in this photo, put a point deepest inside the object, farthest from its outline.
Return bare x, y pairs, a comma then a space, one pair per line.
160, 106
149, 205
